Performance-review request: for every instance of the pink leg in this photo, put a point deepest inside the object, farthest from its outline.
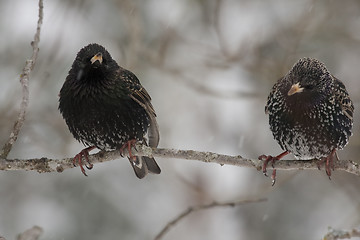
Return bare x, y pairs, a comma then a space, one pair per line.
271, 159
329, 162
78, 159
129, 144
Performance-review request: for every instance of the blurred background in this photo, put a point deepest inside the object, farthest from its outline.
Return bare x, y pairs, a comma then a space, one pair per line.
208, 66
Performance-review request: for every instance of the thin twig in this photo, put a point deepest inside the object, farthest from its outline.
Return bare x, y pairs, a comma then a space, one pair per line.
341, 234
24, 80
202, 207
44, 164
33, 233
221, 39
207, 90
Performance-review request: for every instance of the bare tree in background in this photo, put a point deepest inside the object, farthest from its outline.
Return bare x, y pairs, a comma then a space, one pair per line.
264, 60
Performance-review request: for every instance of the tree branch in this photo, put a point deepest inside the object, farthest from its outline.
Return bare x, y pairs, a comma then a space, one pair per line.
202, 207
44, 164
341, 234
33, 233
24, 80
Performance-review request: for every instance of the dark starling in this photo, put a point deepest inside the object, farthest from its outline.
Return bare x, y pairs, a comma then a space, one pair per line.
310, 114
105, 106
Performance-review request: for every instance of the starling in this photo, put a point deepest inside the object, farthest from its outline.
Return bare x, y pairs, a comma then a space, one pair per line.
105, 107
310, 114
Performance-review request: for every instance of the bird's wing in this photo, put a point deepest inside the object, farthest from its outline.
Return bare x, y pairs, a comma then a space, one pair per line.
342, 96
142, 97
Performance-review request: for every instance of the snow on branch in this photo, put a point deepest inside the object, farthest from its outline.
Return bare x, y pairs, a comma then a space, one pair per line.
44, 164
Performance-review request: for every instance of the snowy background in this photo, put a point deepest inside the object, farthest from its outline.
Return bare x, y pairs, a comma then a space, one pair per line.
208, 66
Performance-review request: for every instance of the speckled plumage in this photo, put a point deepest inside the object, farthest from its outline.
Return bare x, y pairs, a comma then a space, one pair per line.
310, 111
105, 106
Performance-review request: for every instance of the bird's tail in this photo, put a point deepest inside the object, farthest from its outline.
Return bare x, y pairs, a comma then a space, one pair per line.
144, 165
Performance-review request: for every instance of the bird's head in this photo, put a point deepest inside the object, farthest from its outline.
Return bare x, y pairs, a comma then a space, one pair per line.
93, 63
308, 81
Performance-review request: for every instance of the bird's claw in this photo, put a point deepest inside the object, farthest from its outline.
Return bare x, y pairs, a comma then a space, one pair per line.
129, 144
329, 163
273, 177
79, 157
271, 159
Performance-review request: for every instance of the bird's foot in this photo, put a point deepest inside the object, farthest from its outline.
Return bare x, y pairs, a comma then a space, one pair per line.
271, 159
329, 162
129, 144
78, 159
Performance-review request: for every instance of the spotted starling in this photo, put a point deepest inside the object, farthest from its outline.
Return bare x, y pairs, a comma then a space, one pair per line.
105, 107
310, 114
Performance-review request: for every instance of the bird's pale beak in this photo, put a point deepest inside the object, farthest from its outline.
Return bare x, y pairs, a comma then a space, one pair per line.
96, 57
295, 88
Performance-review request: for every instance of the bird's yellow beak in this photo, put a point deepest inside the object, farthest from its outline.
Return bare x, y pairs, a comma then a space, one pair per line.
96, 57
295, 88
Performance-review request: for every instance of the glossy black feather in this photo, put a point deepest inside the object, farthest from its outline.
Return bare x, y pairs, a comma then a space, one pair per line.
314, 121
105, 106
